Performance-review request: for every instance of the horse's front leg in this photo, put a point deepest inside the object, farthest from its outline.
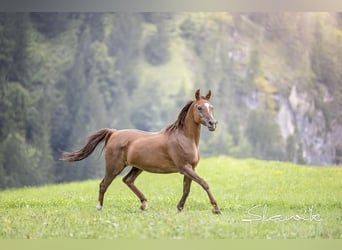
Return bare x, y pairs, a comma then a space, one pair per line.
190, 173
186, 191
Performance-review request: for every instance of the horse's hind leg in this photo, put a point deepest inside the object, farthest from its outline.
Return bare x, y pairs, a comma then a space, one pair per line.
111, 172
129, 181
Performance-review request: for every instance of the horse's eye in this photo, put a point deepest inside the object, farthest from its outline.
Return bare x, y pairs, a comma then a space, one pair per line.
199, 108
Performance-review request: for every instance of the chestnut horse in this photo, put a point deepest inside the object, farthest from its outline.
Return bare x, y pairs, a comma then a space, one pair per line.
173, 149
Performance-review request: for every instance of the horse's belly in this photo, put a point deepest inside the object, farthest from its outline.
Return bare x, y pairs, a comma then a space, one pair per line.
158, 169
151, 157
154, 163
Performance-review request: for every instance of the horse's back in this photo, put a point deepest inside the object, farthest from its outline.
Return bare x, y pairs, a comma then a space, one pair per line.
144, 150
122, 139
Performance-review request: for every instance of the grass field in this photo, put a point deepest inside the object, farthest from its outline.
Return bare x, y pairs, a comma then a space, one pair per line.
259, 199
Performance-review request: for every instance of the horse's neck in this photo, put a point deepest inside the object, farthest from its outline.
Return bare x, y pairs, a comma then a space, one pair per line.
192, 130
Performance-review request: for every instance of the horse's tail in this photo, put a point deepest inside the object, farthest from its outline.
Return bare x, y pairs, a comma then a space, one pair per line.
88, 148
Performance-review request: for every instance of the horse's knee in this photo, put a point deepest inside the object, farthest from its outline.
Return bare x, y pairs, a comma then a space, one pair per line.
205, 185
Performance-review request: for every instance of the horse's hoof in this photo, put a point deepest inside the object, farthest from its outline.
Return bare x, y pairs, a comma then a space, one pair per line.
216, 211
98, 207
180, 208
144, 206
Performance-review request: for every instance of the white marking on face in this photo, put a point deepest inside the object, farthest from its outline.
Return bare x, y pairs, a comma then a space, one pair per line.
207, 105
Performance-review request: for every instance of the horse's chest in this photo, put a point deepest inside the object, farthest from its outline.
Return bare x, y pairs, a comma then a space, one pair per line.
187, 153
193, 155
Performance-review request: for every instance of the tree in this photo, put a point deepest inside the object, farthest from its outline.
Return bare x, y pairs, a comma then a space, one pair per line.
156, 49
264, 135
124, 42
50, 24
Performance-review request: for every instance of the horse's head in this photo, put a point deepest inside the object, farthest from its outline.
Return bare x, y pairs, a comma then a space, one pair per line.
203, 111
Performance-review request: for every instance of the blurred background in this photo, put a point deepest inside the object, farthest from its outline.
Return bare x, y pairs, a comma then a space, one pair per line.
276, 80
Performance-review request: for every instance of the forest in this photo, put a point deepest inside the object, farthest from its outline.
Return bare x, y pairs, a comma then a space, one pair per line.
275, 80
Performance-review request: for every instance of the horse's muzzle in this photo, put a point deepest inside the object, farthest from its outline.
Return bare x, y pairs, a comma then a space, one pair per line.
212, 125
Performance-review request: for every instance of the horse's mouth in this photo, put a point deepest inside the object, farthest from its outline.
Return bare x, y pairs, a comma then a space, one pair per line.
210, 124
212, 127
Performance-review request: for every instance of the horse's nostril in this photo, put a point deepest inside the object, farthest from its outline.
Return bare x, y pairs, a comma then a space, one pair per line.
212, 123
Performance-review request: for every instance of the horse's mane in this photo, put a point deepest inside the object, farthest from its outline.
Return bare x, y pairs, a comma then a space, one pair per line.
179, 123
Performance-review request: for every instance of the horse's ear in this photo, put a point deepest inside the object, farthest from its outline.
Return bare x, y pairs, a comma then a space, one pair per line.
197, 95
208, 95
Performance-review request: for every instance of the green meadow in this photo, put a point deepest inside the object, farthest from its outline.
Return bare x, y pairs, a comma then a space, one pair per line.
258, 199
